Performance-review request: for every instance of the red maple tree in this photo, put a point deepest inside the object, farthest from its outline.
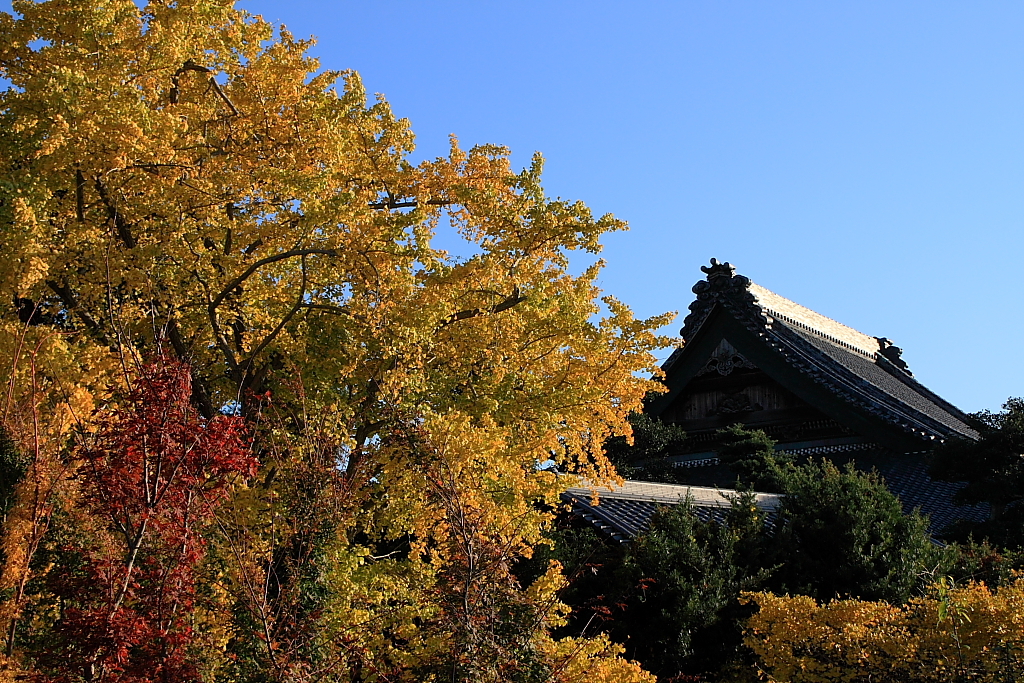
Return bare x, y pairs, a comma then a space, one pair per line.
152, 478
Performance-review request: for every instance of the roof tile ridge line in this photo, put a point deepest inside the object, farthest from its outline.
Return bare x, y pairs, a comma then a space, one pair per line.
689, 487
834, 340
768, 500
721, 491
857, 389
862, 387
931, 395
672, 357
835, 448
626, 495
914, 385
682, 486
900, 414
811, 310
605, 516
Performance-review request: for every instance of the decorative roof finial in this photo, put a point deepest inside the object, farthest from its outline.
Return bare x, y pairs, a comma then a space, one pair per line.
892, 353
722, 285
718, 269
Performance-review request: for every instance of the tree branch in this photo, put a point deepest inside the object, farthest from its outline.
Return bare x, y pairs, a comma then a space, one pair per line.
394, 204
264, 262
79, 195
189, 65
67, 297
200, 395
222, 342
284, 321
217, 89
511, 300
123, 229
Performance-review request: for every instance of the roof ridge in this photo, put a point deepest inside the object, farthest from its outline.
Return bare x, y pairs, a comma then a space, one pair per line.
819, 333
759, 306
809, 319
659, 492
915, 384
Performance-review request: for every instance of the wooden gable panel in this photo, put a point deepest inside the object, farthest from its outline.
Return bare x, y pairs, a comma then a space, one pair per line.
744, 394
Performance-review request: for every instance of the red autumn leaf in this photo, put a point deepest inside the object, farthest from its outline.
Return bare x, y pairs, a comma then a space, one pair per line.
156, 472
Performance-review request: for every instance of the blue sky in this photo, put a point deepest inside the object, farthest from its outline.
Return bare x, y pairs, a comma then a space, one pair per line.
865, 159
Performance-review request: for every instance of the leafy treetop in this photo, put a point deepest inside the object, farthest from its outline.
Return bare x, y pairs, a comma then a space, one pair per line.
180, 178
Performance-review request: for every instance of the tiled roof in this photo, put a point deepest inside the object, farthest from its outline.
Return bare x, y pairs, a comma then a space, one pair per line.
624, 512
671, 494
910, 481
907, 477
816, 358
900, 392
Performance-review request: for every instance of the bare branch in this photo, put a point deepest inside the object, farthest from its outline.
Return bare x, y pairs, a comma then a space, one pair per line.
413, 203
218, 332
265, 262
189, 65
511, 300
217, 89
79, 195
330, 308
154, 168
67, 297
284, 321
124, 230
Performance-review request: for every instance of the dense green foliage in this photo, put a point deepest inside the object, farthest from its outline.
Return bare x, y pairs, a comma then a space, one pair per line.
993, 468
672, 597
839, 532
680, 583
979, 562
752, 455
646, 458
842, 533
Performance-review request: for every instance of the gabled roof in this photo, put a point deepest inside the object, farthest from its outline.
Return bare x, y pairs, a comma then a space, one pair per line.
856, 379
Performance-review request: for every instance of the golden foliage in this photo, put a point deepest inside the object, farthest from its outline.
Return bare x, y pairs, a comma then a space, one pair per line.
184, 177
964, 633
49, 396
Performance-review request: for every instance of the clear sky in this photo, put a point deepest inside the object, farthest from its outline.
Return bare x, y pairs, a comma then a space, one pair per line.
863, 158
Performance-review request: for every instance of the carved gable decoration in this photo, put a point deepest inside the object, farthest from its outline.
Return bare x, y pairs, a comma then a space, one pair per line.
736, 404
724, 360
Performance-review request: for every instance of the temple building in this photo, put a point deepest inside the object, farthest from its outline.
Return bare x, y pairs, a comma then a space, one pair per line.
814, 385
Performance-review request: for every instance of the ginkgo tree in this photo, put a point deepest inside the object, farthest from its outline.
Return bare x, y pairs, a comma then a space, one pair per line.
967, 632
184, 179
